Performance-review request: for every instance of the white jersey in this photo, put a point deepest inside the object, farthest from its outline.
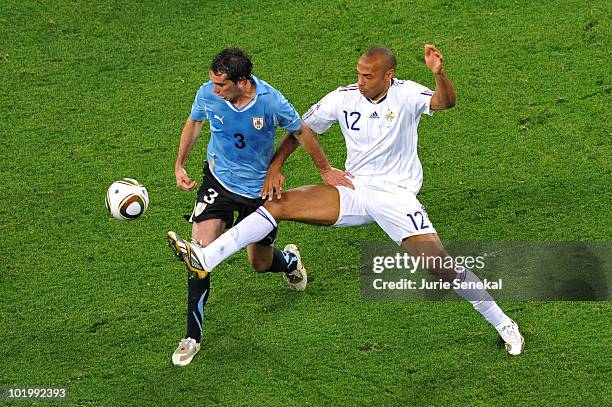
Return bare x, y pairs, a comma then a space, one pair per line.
381, 138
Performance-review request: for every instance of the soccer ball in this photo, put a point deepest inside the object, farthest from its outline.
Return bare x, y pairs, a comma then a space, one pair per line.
127, 199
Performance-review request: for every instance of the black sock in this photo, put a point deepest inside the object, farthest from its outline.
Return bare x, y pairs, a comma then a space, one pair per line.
197, 294
283, 261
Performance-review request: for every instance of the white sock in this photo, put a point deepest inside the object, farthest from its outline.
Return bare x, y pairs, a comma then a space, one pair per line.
251, 229
480, 299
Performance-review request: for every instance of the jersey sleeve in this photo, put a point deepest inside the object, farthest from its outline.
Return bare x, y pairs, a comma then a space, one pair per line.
198, 108
420, 97
321, 116
285, 114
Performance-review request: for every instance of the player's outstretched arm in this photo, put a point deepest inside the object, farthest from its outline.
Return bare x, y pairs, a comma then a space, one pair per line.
330, 175
444, 96
191, 131
275, 180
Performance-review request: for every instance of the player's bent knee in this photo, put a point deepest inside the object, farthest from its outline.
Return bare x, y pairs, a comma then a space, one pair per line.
315, 204
276, 208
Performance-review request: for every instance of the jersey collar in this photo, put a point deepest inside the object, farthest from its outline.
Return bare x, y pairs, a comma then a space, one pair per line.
260, 89
260, 86
380, 101
383, 98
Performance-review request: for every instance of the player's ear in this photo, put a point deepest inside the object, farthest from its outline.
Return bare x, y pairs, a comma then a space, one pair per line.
241, 82
389, 74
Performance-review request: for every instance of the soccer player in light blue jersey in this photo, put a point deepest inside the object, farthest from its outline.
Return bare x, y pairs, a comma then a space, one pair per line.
243, 112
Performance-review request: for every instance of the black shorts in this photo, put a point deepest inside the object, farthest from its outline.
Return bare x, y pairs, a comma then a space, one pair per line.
215, 202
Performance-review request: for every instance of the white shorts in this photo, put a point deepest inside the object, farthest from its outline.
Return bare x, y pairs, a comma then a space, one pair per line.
396, 210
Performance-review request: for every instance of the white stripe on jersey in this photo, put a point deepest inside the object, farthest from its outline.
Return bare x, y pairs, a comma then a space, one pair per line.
381, 138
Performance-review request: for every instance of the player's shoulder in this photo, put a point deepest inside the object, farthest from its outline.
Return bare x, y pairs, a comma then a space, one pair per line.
353, 87
404, 84
343, 92
268, 93
408, 86
264, 88
339, 96
206, 86
206, 90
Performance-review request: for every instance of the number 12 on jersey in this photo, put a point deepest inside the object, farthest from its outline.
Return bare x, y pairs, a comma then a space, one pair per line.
353, 125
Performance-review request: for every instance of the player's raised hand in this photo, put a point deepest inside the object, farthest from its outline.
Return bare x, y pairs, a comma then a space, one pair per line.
273, 184
336, 177
433, 59
182, 179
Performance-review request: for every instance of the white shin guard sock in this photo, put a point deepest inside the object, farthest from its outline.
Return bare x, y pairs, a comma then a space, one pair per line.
480, 299
251, 229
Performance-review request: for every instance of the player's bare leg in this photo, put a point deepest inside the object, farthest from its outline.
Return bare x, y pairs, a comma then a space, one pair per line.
260, 257
312, 204
205, 232
430, 246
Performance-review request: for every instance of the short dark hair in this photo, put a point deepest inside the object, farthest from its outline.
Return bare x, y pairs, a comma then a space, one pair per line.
386, 56
234, 62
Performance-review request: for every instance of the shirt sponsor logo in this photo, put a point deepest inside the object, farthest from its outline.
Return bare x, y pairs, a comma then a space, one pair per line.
374, 116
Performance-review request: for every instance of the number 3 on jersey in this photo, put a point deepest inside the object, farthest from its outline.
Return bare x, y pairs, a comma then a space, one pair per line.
209, 198
240, 143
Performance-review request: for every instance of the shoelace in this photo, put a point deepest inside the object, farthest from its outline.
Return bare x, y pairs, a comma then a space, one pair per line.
184, 344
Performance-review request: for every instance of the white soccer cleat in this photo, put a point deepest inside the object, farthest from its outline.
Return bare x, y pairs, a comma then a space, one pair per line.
188, 253
185, 352
513, 340
298, 278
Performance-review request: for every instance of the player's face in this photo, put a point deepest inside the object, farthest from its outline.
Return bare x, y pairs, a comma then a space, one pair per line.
225, 88
372, 78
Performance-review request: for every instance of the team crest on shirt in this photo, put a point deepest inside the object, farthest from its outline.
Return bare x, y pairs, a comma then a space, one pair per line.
258, 123
390, 116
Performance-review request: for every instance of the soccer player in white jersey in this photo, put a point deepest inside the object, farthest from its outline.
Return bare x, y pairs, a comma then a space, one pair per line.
379, 116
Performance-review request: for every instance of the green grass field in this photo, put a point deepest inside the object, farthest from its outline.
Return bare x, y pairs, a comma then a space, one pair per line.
91, 92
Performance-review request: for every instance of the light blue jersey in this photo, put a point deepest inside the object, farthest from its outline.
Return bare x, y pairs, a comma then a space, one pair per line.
241, 142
